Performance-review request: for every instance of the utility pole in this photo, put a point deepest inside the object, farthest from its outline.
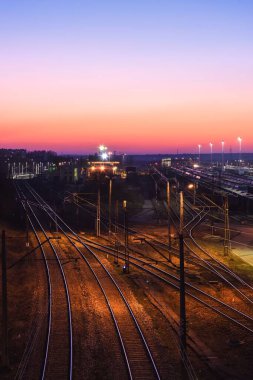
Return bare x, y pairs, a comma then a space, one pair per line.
76, 201
182, 331
169, 226
116, 258
5, 359
116, 216
98, 211
55, 219
212, 227
26, 225
226, 227
222, 156
116, 246
126, 266
195, 186
110, 206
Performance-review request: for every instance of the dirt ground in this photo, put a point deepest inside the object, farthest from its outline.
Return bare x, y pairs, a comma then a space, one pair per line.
228, 348
22, 285
217, 348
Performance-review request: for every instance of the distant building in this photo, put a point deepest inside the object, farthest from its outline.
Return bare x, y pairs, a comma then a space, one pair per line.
166, 162
106, 167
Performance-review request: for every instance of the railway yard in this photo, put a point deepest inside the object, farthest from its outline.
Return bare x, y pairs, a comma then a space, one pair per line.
84, 306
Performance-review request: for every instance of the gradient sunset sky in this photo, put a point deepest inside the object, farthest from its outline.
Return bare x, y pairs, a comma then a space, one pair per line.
138, 76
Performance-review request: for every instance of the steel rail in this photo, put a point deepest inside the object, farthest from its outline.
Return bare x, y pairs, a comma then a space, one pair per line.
36, 196
170, 275
49, 314
70, 370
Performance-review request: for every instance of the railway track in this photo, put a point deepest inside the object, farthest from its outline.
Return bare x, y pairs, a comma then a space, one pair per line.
201, 256
58, 351
137, 354
241, 320
200, 296
237, 317
197, 255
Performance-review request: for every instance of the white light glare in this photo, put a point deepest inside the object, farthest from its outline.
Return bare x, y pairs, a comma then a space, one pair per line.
102, 148
104, 156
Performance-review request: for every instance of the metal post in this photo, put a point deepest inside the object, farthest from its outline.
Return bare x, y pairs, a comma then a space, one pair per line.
5, 360
116, 216
194, 193
126, 266
226, 228
76, 201
110, 205
182, 331
55, 219
212, 227
27, 225
181, 211
116, 245
222, 156
199, 146
169, 226
98, 211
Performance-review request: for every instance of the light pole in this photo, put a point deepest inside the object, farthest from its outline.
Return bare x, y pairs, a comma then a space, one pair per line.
226, 229
126, 266
98, 211
4, 343
182, 329
169, 227
110, 205
211, 153
239, 139
199, 146
222, 155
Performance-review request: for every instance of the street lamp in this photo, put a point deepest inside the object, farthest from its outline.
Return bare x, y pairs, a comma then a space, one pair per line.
239, 139
199, 146
222, 155
211, 152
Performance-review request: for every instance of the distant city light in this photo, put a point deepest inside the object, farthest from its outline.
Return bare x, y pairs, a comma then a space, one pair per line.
102, 148
104, 156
